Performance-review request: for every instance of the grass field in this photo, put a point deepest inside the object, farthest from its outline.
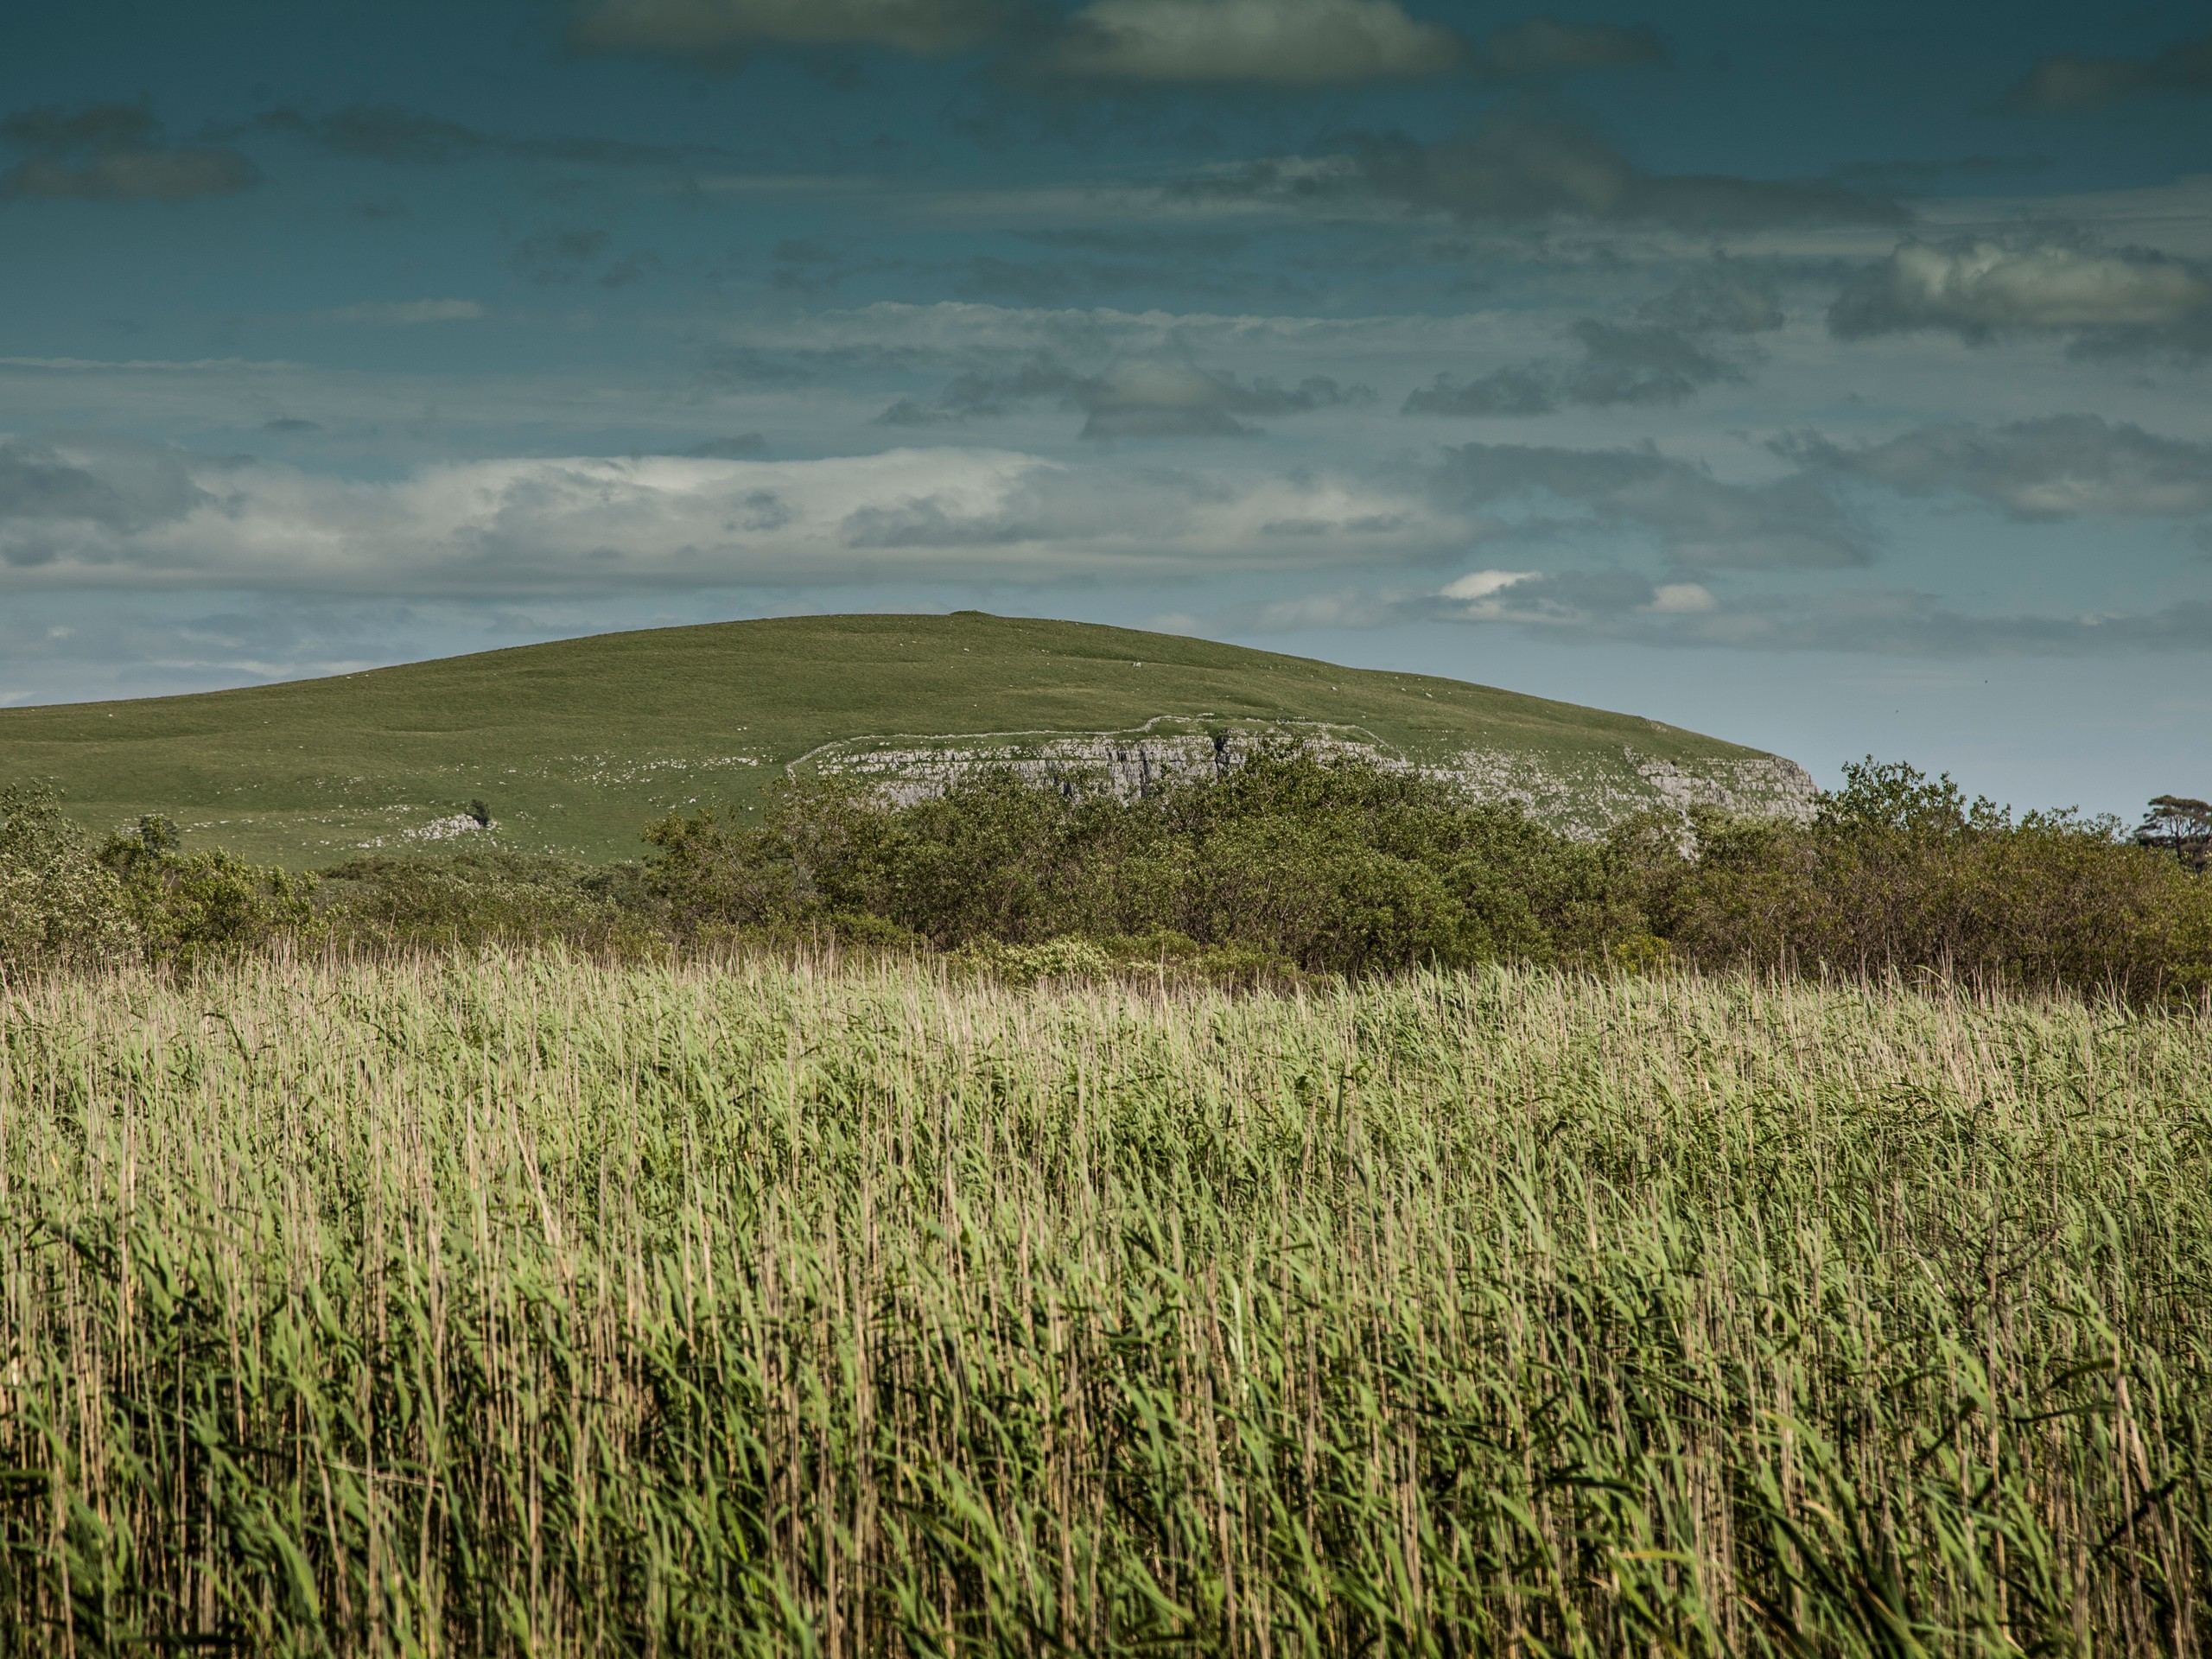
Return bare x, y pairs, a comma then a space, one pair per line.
576, 746
517, 1306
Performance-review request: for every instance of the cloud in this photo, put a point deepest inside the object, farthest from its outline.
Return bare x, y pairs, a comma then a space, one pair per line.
719, 30
2065, 85
1636, 365
2061, 466
1792, 523
752, 368
108, 514
1261, 42
741, 445
399, 136
1526, 166
1727, 296
1615, 607
110, 486
559, 255
405, 313
1166, 395
113, 152
1977, 288
1543, 45
1153, 398
291, 425
1659, 359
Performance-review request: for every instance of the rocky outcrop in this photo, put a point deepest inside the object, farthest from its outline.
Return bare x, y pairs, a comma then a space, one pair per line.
1582, 794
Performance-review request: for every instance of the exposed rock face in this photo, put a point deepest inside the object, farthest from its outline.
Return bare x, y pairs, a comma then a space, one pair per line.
1582, 795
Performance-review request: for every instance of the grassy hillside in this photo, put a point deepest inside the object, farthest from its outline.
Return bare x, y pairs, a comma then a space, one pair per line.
575, 744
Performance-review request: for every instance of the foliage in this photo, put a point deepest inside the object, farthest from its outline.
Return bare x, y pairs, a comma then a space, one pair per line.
477, 897
2181, 825
1330, 864
57, 903
519, 1305
196, 908
1900, 872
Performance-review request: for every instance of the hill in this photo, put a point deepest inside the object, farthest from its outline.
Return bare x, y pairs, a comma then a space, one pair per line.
575, 744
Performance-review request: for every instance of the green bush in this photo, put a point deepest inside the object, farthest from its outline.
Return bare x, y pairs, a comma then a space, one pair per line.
57, 902
1900, 872
480, 896
196, 908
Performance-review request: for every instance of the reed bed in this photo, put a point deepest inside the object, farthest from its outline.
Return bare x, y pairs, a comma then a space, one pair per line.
519, 1305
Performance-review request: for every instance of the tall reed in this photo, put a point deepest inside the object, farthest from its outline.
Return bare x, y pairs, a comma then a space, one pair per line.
519, 1305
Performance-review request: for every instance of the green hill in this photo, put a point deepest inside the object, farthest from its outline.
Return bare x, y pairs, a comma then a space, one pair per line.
575, 746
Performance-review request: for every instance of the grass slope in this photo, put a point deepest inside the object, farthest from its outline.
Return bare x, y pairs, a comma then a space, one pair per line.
576, 745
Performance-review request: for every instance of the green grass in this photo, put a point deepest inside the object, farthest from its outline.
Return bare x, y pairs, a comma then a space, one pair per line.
516, 1305
576, 745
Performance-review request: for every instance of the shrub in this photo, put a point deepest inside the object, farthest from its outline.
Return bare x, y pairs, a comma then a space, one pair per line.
1899, 871
57, 902
480, 896
196, 908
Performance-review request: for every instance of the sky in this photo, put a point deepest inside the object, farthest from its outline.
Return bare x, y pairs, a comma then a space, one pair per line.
1835, 379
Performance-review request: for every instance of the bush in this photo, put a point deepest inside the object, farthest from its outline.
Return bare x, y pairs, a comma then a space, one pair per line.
481, 897
1899, 871
1326, 863
57, 902
195, 908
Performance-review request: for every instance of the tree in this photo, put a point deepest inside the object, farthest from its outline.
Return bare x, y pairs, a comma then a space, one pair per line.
2176, 825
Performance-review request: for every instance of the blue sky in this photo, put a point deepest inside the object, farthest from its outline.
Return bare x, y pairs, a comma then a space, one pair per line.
1831, 381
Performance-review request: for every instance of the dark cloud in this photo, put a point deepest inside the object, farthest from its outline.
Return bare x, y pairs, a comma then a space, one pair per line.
743, 446
717, 33
2062, 85
1660, 358
1526, 166
290, 424
751, 368
978, 394
113, 152
2104, 300
403, 137
1516, 392
1172, 397
1635, 365
1280, 43
1909, 178
1137, 398
1727, 296
1069, 282
2061, 466
1544, 46
559, 255
1793, 522
53, 491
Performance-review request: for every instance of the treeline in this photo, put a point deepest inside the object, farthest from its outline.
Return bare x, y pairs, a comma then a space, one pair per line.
1298, 862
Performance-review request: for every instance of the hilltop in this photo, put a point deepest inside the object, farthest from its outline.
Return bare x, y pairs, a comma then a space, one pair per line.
575, 744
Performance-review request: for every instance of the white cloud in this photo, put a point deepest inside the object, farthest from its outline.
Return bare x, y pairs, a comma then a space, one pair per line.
78, 514
405, 313
1681, 599
1977, 287
1481, 584
1273, 42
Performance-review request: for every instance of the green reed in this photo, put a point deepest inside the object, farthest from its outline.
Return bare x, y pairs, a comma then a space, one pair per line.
520, 1305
